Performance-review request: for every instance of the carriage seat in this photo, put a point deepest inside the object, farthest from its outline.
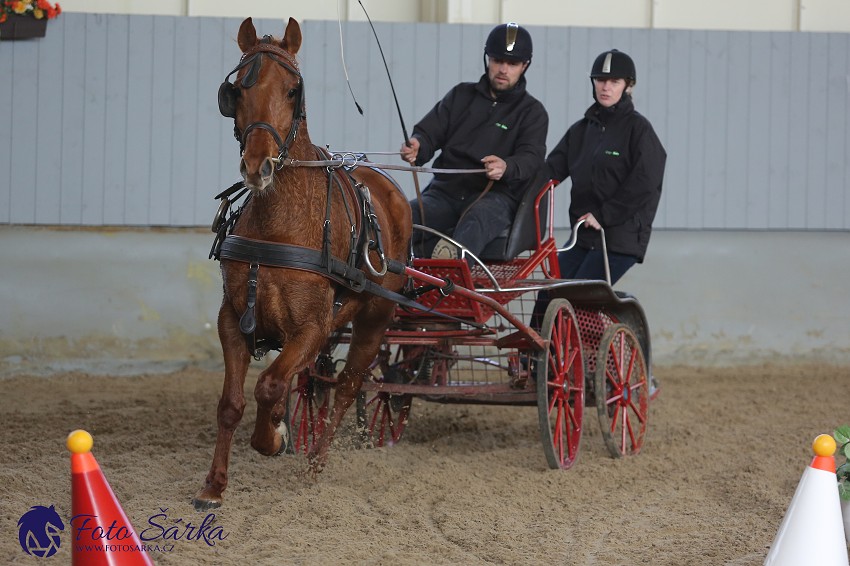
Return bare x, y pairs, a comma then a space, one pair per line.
520, 236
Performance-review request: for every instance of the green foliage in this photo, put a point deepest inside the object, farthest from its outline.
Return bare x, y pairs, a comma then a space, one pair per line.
842, 439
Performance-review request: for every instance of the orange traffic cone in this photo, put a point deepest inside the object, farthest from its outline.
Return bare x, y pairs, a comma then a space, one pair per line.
101, 532
812, 531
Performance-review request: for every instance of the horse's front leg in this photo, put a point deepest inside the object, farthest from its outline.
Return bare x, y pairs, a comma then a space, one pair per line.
367, 332
231, 406
270, 393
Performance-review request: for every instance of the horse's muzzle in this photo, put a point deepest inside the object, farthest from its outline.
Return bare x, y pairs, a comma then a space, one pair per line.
259, 175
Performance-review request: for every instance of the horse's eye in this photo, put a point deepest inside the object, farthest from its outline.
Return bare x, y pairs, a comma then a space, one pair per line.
292, 92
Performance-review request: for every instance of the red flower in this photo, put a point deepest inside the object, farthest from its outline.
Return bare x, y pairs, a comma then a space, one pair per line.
37, 9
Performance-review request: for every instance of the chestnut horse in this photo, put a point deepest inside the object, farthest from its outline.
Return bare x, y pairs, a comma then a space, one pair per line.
293, 308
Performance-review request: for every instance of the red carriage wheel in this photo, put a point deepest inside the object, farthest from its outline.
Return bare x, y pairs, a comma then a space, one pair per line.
560, 385
309, 407
381, 417
622, 390
309, 401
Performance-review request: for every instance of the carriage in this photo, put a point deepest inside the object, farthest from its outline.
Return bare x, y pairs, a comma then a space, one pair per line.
477, 337
314, 261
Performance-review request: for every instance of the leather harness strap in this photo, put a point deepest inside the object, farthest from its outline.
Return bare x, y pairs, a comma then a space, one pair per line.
291, 256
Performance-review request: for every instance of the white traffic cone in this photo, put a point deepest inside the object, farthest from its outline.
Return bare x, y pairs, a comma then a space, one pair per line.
812, 531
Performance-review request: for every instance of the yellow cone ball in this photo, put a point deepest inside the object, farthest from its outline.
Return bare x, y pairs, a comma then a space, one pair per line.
80, 442
824, 445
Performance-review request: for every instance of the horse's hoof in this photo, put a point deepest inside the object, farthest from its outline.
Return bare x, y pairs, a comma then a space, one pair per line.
202, 505
205, 500
285, 440
276, 447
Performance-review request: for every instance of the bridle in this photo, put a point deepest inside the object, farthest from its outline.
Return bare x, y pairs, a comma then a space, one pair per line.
228, 95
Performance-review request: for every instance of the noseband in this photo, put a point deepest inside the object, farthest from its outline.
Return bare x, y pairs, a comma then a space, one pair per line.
228, 94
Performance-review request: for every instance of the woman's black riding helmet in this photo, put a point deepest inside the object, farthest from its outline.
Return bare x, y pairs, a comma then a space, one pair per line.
614, 64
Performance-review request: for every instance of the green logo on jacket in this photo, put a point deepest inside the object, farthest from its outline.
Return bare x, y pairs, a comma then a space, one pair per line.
612, 152
503, 126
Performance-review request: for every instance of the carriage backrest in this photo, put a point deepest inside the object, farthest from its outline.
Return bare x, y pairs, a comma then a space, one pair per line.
522, 235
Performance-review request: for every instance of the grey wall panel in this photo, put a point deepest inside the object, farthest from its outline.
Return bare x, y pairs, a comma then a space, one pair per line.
116, 120
48, 132
654, 98
758, 127
698, 90
678, 134
548, 79
162, 91
837, 153
71, 131
95, 138
140, 69
798, 132
187, 51
712, 199
228, 151
351, 130
122, 127
778, 134
382, 122
6, 112
816, 121
208, 139
738, 92
24, 130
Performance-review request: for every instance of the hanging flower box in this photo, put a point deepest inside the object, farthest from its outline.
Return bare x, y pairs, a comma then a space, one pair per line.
24, 19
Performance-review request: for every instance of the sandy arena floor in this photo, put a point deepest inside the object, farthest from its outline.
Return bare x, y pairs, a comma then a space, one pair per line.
725, 450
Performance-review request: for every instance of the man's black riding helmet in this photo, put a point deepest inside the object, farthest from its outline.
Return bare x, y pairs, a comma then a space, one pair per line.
509, 41
613, 64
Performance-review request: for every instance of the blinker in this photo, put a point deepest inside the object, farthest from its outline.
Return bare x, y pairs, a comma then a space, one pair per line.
228, 95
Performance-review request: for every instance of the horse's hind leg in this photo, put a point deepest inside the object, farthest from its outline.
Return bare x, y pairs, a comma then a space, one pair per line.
231, 405
367, 331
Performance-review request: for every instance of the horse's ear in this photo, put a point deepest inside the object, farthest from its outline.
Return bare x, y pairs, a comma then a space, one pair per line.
292, 37
247, 37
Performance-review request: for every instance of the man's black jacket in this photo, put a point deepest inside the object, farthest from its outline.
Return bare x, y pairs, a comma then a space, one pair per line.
469, 124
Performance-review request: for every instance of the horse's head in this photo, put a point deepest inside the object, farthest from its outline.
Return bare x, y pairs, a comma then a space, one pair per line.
266, 101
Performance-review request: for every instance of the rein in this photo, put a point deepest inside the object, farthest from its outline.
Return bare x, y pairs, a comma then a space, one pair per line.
352, 160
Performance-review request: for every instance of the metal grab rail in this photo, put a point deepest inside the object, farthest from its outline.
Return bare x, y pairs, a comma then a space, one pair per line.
574, 239
464, 253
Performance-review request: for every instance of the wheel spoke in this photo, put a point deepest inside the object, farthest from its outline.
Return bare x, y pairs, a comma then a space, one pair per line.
559, 430
560, 385
628, 422
641, 415
301, 420
623, 431
628, 375
615, 418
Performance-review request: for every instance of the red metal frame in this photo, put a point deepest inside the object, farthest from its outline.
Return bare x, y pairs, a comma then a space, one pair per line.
487, 361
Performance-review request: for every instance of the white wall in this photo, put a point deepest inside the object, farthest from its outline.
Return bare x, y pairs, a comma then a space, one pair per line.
582, 13
756, 15
138, 298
